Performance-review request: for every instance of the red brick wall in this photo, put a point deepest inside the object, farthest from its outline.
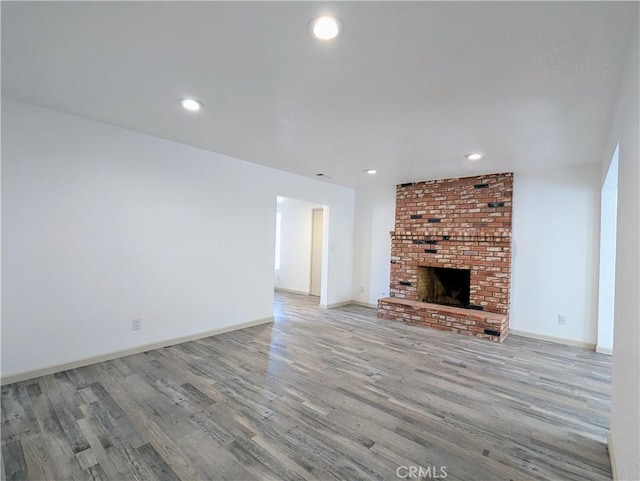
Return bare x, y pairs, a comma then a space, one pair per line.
455, 223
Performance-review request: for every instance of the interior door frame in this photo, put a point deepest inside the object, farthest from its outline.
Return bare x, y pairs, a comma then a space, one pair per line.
311, 270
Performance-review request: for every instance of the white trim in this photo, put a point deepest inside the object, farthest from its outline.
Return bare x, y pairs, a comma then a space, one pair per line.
364, 304
336, 304
348, 303
291, 291
313, 227
604, 350
24, 375
557, 340
612, 458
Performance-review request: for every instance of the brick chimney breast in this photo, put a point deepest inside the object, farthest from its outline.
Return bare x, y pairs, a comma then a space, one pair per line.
466, 226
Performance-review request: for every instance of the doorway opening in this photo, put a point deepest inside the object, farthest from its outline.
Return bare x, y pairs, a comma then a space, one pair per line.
300, 249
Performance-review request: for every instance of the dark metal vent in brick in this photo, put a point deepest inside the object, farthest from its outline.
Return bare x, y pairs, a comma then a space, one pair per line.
433, 221
445, 237
431, 251
432, 242
496, 204
491, 332
416, 216
418, 241
481, 186
407, 184
405, 283
393, 262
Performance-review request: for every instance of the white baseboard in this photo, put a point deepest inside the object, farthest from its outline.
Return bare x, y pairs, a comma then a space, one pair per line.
291, 291
348, 303
612, 458
364, 304
328, 306
604, 350
52, 369
557, 340
335, 304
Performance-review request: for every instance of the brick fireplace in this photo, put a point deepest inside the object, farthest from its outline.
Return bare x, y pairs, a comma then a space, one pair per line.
451, 256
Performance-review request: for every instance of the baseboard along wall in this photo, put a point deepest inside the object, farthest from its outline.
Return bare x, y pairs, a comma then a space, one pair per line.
52, 369
557, 340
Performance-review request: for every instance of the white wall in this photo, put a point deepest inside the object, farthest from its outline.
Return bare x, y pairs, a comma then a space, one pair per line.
102, 225
295, 245
555, 252
625, 391
375, 219
607, 265
555, 216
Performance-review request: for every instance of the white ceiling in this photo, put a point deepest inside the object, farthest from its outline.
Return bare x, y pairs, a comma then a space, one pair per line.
408, 88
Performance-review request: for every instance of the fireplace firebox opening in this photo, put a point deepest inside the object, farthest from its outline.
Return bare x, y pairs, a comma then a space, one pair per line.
449, 287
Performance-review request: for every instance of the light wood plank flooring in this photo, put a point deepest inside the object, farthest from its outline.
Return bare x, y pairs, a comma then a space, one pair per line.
319, 395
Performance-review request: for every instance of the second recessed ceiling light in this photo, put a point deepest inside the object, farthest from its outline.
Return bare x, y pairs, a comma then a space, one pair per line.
325, 28
191, 104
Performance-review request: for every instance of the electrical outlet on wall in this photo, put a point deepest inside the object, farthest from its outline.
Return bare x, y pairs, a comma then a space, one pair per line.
562, 319
136, 324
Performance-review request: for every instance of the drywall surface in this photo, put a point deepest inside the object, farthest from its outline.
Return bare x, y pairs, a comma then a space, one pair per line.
625, 390
375, 219
555, 252
103, 225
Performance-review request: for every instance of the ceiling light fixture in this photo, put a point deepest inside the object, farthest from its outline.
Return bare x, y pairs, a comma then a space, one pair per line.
325, 28
473, 156
191, 104
371, 171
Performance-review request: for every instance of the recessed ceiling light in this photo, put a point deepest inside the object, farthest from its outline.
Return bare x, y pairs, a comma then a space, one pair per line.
371, 171
325, 28
191, 104
473, 156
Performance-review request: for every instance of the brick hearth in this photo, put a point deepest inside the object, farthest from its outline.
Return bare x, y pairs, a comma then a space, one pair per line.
459, 224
